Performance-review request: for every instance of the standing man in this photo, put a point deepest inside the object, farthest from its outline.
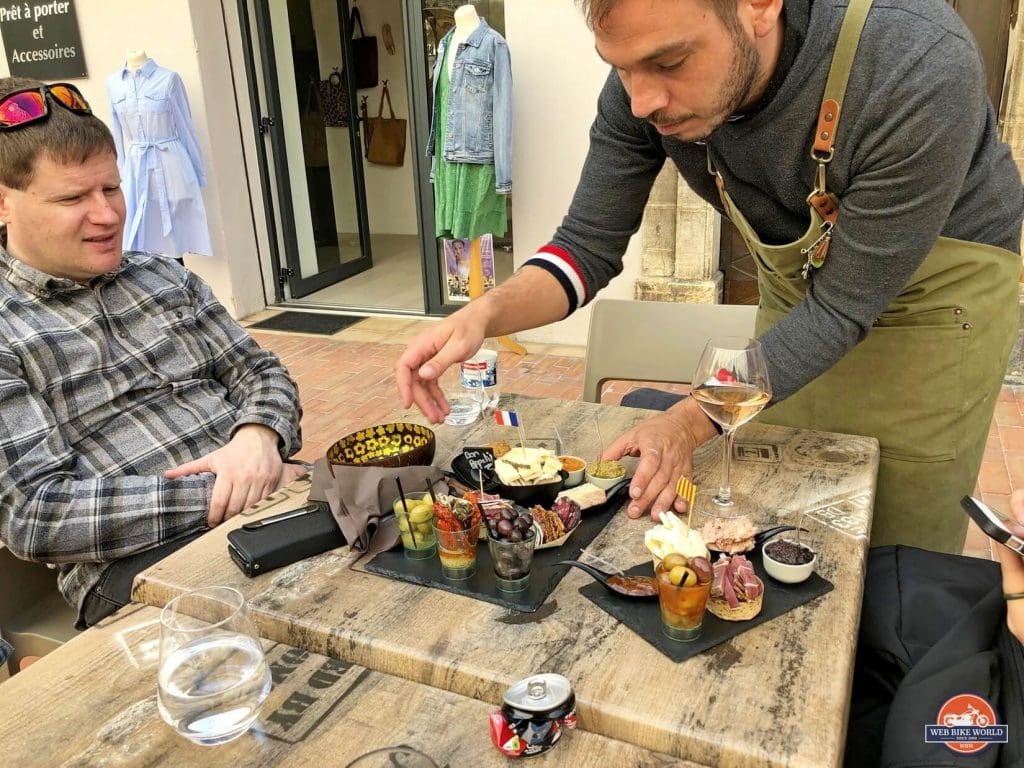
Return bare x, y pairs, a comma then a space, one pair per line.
854, 147
134, 412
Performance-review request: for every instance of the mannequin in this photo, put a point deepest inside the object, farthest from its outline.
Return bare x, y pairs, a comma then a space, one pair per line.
159, 160
135, 59
466, 21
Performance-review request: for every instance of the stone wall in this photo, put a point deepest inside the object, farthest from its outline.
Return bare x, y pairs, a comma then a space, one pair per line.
680, 235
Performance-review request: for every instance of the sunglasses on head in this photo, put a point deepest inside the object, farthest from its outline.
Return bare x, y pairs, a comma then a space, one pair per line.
30, 105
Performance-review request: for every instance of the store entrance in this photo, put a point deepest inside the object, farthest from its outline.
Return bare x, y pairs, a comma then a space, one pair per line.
350, 231
317, 165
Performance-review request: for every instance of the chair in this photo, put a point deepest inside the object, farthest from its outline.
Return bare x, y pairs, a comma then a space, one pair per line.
34, 617
654, 340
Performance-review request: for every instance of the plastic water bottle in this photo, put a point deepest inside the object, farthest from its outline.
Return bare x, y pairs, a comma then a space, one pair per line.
480, 377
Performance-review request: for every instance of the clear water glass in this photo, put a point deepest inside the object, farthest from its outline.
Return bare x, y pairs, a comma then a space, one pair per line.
465, 404
213, 677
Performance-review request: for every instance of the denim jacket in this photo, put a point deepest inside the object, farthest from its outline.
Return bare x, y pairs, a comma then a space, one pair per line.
478, 126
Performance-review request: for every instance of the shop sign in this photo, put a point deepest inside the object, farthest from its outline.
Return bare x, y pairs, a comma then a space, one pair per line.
42, 39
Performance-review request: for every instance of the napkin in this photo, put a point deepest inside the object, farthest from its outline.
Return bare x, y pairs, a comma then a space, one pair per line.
360, 499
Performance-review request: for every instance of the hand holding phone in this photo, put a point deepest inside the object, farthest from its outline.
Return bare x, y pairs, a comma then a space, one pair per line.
993, 524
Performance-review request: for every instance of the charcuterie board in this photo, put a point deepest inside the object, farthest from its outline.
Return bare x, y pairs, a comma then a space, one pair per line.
644, 617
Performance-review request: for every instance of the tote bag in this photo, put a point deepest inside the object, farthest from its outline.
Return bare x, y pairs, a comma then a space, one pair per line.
386, 145
313, 129
334, 100
364, 53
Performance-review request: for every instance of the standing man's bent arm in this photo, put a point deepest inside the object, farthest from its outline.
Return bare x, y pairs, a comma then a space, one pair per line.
530, 298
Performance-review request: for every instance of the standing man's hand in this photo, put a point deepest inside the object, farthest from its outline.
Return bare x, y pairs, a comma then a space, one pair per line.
452, 340
665, 445
248, 469
1013, 568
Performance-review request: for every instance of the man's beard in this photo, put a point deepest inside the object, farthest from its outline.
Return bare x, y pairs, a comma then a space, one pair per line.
734, 93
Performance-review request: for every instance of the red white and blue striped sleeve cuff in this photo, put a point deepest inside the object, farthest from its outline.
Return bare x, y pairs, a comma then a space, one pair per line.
563, 267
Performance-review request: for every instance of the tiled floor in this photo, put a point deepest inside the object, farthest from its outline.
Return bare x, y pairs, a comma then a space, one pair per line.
347, 381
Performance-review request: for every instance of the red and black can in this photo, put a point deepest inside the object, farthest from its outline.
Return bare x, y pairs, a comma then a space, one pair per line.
536, 711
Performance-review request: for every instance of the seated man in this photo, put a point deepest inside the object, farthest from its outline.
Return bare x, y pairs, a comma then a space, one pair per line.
134, 412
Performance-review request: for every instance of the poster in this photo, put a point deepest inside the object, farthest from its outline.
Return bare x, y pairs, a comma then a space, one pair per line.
456, 266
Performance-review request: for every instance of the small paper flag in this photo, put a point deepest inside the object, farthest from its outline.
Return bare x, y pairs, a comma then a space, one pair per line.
507, 418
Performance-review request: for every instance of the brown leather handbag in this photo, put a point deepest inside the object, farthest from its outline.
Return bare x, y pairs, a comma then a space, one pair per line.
386, 143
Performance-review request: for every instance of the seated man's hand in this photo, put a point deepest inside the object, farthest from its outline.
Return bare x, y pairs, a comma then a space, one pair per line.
450, 341
248, 469
665, 445
1013, 568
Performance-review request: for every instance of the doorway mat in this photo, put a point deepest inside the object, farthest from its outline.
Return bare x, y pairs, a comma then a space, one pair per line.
307, 322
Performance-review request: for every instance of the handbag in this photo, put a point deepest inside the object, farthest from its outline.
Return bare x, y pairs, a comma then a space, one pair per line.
313, 130
386, 145
364, 53
334, 100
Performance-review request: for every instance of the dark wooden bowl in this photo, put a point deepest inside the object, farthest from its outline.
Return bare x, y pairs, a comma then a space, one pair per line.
399, 444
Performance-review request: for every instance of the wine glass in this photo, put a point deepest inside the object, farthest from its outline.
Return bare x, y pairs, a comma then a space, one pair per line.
213, 677
731, 386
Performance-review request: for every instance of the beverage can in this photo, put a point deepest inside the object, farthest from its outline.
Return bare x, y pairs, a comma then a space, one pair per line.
535, 712
480, 376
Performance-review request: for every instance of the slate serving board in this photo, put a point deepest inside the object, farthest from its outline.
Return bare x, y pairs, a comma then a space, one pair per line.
544, 576
644, 616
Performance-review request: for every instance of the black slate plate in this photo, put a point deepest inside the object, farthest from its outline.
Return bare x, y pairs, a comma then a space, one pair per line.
644, 616
544, 576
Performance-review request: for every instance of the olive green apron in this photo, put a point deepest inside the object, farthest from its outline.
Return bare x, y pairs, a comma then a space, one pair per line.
925, 380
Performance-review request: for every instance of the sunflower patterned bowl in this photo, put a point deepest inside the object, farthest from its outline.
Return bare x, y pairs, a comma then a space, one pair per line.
399, 444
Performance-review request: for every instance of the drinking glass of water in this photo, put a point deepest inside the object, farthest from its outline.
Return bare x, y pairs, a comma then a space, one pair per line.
213, 677
465, 402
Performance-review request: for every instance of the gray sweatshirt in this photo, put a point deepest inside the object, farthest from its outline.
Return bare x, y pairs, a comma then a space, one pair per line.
917, 156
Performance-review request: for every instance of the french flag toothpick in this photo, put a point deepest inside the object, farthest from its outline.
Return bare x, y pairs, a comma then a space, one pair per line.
506, 418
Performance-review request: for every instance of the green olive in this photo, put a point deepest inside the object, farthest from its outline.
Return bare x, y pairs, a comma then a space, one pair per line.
421, 513
403, 524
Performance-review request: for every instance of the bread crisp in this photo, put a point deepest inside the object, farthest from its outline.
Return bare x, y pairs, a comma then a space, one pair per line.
745, 611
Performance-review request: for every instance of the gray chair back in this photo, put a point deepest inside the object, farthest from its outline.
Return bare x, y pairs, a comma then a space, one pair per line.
654, 340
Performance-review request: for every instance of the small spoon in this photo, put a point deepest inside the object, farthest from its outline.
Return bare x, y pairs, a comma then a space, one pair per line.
637, 587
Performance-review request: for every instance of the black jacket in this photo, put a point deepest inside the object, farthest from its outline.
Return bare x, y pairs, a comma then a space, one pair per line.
932, 626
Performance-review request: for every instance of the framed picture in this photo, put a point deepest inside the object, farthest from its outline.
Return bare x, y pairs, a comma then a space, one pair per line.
456, 266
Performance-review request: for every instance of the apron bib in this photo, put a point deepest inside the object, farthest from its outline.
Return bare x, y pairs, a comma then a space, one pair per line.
925, 380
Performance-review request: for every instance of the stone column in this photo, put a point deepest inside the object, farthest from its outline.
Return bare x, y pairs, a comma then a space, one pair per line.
680, 236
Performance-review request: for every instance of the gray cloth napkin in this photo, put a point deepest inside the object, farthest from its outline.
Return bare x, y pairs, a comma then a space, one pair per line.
360, 499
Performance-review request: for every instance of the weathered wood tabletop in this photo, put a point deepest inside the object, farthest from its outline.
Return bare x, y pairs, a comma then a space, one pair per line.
776, 695
93, 703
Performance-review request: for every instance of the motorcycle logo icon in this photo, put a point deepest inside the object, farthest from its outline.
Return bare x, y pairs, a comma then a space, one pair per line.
966, 724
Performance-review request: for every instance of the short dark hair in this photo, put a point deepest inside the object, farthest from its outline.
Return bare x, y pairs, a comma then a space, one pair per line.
67, 137
597, 11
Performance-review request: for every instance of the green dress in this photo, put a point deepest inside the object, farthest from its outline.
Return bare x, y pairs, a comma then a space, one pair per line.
465, 203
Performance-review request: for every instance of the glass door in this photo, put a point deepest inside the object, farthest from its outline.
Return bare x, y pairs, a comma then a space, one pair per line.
312, 140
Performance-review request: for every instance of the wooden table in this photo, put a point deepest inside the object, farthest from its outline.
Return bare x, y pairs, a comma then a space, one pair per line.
775, 695
93, 703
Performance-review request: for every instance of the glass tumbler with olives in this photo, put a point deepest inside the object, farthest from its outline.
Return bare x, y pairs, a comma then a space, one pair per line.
415, 524
684, 585
511, 539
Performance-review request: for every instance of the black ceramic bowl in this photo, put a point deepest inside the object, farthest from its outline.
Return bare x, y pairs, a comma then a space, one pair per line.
399, 444
528, 495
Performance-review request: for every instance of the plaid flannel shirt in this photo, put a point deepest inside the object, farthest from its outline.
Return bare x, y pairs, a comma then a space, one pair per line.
103, 388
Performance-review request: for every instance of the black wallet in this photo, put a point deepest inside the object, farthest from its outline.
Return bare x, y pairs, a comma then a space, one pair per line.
280, 540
